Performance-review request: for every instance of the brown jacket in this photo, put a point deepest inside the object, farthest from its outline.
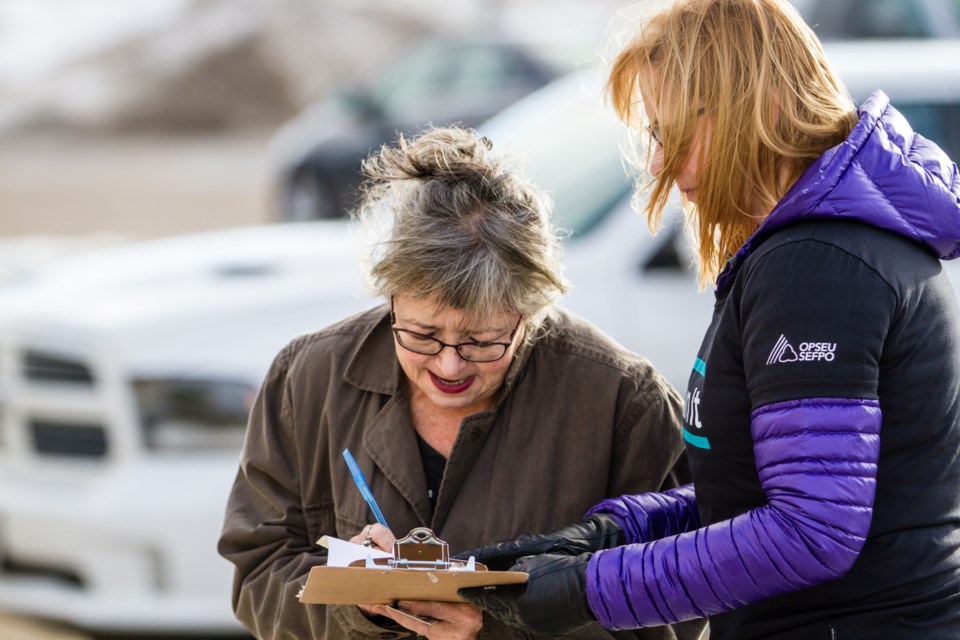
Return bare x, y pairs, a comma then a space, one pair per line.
579, 419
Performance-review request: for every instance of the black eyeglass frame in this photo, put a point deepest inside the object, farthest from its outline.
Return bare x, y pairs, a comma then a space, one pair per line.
654, 129
456, 347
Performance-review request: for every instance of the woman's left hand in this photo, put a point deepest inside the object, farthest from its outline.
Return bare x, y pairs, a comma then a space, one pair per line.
454, 620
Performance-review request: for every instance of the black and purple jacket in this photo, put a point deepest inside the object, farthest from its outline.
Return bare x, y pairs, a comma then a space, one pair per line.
822, 419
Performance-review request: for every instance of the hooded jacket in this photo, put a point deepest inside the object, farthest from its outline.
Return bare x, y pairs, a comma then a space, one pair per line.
822, 419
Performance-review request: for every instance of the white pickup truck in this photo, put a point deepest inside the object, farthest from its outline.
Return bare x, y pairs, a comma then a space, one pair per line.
126, 374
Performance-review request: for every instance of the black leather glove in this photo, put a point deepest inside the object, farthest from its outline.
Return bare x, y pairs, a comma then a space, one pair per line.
552, 603
595, 532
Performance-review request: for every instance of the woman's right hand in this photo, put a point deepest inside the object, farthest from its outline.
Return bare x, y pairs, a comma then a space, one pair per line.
375, 536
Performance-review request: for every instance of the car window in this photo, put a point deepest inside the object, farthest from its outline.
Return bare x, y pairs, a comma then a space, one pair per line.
873, 19
953, 8
886, 19
937, 122
585, 184
428, 71
586, 189
485, 68
440, 71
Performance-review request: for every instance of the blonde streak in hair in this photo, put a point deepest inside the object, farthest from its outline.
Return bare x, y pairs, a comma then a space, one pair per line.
724, 184
798, 77
667, 99
623, 89
621, 83
806, 91
816, 109
764, 168
711, 75
748, 158
677, 59
661, 185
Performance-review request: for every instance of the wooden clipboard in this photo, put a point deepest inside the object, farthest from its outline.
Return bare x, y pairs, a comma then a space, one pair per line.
420, 569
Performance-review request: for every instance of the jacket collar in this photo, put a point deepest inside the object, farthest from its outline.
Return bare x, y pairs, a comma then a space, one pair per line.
374, 367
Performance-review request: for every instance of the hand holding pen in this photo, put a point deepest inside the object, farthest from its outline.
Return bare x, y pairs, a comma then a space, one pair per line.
427, 619
371, 535
361, 482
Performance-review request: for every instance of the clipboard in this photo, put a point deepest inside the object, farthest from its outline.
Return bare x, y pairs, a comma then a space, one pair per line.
420, 569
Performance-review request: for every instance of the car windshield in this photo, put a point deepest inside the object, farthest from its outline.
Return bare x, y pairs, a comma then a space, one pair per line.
569, 141
886, 19
882, 19
442, 71
939, 122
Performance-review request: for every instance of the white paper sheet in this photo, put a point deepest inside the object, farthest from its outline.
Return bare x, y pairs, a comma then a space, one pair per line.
341, 553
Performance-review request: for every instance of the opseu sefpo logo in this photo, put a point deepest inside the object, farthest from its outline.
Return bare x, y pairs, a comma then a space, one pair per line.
784, 352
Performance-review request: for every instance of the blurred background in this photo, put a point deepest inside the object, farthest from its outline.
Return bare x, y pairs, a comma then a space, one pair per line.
123, 121
174, 176
154, 117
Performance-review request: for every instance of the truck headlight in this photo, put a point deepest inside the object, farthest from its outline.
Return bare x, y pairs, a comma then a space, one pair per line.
191, 415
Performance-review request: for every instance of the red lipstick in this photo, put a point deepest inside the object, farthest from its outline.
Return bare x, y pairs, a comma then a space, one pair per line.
450, 388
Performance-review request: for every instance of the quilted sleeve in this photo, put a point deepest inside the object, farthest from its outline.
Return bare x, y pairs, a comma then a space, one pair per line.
817, 463
651, 516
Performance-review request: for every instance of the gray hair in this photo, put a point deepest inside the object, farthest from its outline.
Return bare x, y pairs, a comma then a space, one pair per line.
453, 220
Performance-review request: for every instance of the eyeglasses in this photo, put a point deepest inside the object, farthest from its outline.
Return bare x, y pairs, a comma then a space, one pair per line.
654, 129
472, 351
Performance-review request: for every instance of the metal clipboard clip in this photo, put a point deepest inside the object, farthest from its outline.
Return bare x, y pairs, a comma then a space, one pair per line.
420, 550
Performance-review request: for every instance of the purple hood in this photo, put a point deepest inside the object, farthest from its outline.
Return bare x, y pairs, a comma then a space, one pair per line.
885, 175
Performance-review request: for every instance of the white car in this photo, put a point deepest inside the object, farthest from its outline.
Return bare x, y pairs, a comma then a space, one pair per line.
126, 374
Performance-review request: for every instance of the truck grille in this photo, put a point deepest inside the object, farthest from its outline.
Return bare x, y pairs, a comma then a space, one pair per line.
42, 367
64, 439
10, 567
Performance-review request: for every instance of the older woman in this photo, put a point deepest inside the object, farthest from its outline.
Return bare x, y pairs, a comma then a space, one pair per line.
472, 405
824, 438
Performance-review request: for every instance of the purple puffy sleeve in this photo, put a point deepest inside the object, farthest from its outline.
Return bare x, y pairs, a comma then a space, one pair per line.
817, 463
651, 516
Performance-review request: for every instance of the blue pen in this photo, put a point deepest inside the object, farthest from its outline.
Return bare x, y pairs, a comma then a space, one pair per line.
361, 483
